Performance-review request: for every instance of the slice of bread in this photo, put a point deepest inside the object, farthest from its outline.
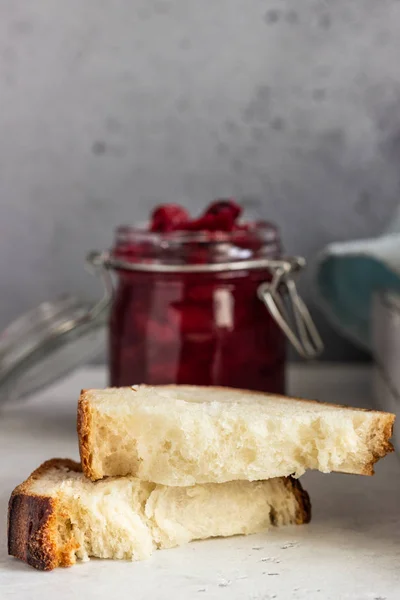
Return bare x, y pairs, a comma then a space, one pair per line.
183, 435
58, 516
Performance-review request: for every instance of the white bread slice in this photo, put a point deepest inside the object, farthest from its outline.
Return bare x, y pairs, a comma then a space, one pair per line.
58, 516
183, 435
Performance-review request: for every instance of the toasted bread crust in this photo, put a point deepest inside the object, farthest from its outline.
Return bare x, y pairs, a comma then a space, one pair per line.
380, 447
32, 523
303, 513
84, 419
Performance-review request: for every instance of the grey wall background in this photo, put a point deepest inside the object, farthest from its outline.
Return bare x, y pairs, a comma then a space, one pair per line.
108, 107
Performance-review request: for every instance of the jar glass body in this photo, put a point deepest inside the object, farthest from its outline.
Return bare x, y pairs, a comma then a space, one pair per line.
199, 328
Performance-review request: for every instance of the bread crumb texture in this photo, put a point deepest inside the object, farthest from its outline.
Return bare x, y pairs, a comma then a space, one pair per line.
126, 518
183, 435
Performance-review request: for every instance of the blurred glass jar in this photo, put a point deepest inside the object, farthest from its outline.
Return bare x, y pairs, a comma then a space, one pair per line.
203, 308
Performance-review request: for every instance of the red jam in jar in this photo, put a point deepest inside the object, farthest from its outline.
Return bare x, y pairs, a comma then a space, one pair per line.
185, 308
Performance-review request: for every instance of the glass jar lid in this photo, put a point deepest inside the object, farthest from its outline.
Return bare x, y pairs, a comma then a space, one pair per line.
48, 342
